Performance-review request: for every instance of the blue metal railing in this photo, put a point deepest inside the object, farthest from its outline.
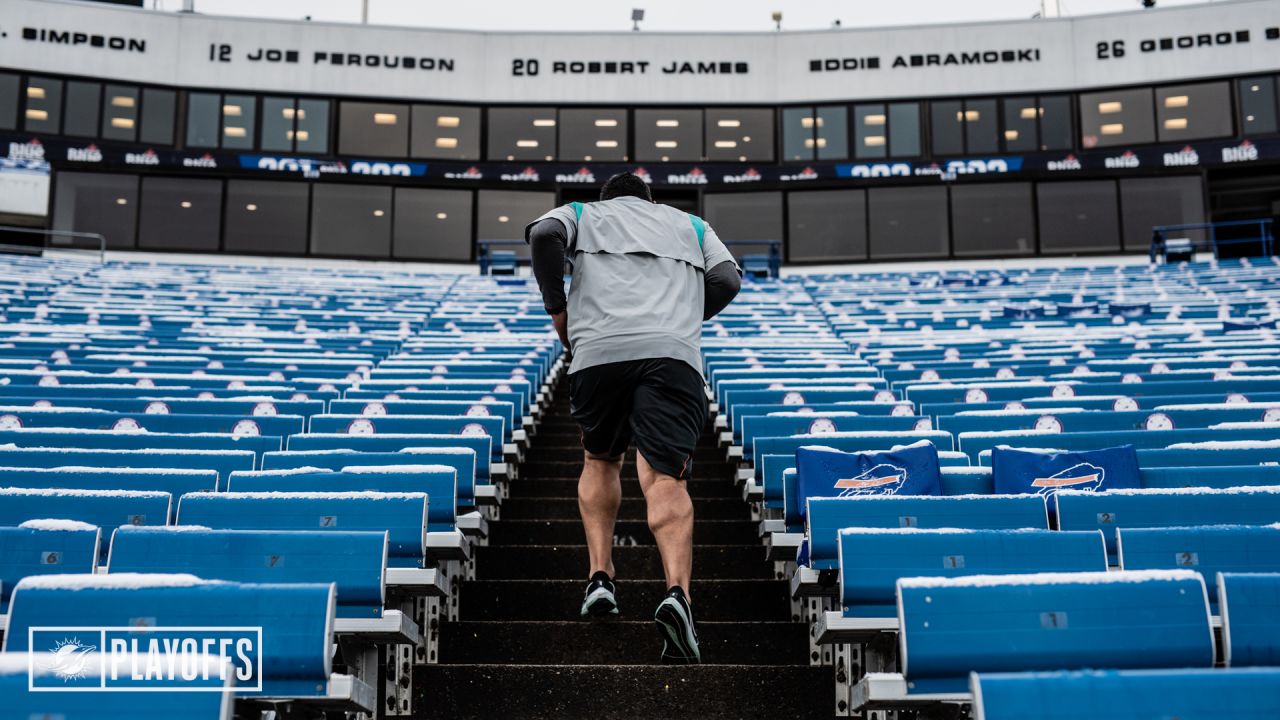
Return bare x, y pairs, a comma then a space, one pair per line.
490, 259
1263, 237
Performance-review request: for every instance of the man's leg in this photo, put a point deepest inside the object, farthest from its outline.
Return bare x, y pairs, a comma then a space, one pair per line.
599, 496
671, 520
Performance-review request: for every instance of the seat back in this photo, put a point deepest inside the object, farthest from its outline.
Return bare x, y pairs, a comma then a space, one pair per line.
296, 620
355, 562
439, 482
403, 516
106, 509
481, 445
221, 461
872, 560
462, 460
1209, 550
1073, 621
827, 516
45, 547
1249, 604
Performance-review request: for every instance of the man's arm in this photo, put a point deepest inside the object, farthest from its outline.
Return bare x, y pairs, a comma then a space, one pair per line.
721, 284
547, 242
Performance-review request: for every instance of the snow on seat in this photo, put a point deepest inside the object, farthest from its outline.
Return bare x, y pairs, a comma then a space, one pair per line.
223, 462
462, 460
1208, 550
106, 509
133, 440
480, 445
43, 547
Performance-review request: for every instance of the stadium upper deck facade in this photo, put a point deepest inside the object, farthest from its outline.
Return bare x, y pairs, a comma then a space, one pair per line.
1075, 135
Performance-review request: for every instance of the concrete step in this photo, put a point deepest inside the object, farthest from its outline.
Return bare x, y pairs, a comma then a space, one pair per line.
570, 466
616, 642
527, 486
633, 508
570, 562
626, 532
624, 692
713, 599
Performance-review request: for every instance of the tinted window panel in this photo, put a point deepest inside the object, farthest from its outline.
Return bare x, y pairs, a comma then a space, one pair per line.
745, 216
503, 214
798, 134
1148, 202
522, 134
376, 129
1055, 123
1116, 117
980, 126
239, 118
1021, 117
870, 130
446, 131
83, 101
598, 135
311, 126
995, 219
120, 113
44, 105
1188, 112
904, 130
908, 222
9, 101
668, 135
1078, 216
739, 134
277, 123
827, 225
266, 217
432, 224
1257, 105
833, 132
157, 116
947, 121
97, 203
351, 220
180, 214
204, 113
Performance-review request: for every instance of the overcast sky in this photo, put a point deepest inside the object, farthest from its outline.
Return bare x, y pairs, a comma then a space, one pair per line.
677, 15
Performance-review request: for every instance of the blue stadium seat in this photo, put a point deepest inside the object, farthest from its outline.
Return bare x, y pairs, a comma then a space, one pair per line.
1250, 603
106, 509
1209, 550
45, 547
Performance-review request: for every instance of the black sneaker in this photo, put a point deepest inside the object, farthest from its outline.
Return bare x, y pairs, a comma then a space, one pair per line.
675, 623
600, 600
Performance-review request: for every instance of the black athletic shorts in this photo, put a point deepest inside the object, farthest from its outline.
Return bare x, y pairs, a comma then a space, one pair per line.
659, 402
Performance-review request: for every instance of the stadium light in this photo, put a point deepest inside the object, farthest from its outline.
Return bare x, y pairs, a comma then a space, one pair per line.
637, 14
777, 19
1148, 3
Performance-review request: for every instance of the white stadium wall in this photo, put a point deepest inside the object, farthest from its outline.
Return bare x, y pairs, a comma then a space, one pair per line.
996, 139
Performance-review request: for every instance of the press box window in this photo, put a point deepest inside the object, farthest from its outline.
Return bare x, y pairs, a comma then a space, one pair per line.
445, 131
378, 129
82, 106
815, 133
744, 135
1190, 112
295, 125
120, 113
9, 85
1257, 105
1037, 123
668, 135
44, 105
1116, 117
225, 121
593, 135
522, 133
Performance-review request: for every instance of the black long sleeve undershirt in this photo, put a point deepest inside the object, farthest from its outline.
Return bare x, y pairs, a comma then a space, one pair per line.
547, 243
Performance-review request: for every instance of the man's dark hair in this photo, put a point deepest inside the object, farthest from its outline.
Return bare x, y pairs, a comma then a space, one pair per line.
625, 185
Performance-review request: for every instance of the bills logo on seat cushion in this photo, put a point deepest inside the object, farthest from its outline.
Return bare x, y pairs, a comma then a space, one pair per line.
883, 479
1015, 471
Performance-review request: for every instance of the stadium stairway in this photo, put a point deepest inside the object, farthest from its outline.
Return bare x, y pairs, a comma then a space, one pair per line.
520, 650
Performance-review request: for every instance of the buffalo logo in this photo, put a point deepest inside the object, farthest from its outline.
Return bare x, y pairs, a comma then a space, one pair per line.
1048, 423
901, 411
360, 426
822, 426
1124, 403
264, 409
157, 408
1159, 421
793, 398
886, 396
374, 409
477, 411
246, 428
10, 422
1083, 476
883, 479
975, 395
127, 425
473, 429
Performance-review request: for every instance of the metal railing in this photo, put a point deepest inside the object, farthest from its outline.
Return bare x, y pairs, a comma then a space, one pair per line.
772, 259
51, 242
1160, 237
